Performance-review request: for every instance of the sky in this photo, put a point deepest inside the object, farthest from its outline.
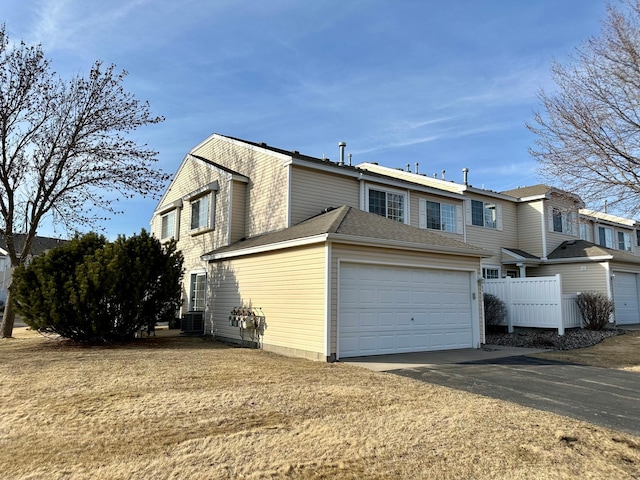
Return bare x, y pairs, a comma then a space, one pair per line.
448, 84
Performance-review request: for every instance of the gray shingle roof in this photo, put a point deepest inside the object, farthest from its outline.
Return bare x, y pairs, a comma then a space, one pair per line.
584, 249
348, 222
522, 253
40, 244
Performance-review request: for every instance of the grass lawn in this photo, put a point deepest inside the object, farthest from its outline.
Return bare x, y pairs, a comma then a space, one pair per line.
175, 407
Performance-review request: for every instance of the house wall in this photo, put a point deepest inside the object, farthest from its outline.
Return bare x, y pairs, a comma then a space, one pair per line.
493, 239
238, 196
267, 194
576, 277
287, 285
313, 190
343, 252
567, 205
192, 175
529, 217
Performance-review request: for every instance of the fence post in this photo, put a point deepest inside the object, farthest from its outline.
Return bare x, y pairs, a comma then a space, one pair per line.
559, 307
509, 292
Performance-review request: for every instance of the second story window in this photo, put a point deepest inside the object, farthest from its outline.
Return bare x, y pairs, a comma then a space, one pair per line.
168, 225
438, 216
638, 237
624, 241
200, 212
562, 221
605, 237
585, 232
387, 204
484, 214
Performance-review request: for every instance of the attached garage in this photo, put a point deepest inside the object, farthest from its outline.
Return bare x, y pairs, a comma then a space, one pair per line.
387, 309
625, 297
349, 283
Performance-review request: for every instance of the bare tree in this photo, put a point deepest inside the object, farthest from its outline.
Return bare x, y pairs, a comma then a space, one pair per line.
588, 138
65, 151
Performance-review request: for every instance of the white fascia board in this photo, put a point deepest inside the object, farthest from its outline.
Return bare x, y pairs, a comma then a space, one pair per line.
533, 198
376, 242
489, 193
385, 180
298, 242
603, 258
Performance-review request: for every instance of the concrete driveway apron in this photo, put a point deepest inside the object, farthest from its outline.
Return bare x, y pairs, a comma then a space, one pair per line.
606, 397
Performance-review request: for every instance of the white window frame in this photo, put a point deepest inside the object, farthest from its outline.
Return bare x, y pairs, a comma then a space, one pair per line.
197, 303
388, 191
623, 241
171, 220
584, 231
491, 215
195, 197
608, 236
454, 215
495, 272
562, 221
205, 219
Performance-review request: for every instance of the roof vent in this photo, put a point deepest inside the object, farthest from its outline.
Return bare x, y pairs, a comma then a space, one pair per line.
341, 146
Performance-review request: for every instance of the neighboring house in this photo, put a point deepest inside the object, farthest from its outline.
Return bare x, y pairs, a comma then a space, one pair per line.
40, 245
303, 241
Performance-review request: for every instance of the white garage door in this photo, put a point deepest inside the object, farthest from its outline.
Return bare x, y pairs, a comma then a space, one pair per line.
625, 296
385, 310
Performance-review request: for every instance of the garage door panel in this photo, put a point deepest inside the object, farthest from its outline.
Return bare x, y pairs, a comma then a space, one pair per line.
625, 293
414, 310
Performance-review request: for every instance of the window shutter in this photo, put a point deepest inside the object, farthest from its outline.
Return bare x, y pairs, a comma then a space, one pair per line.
459, 222
549, 209
467, 211
498, 216
422, 213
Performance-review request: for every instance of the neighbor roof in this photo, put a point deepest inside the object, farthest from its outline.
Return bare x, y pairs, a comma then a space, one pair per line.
586, 250
40, 244
351, 224
537, 190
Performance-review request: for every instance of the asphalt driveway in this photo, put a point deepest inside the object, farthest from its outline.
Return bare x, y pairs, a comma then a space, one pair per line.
606, 397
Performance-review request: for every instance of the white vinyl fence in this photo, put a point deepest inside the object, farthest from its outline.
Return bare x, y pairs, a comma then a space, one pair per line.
535, 302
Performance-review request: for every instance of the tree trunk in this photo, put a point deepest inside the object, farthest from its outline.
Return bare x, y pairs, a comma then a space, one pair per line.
8, 318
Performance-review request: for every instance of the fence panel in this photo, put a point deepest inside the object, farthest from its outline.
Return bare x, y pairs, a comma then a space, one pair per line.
531, 301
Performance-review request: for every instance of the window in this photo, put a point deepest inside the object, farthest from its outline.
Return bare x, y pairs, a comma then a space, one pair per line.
584, 232
169, 225
200, 213
605, 237
638, 237
624, 241
484, 214
387, 204
490, 273
562, 221
196, 298
440, 216
557, 220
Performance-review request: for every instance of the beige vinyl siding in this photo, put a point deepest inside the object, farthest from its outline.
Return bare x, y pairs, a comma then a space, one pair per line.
192, 175
494, 239
529, 218
312, 191
238, 209
351, 253
267, 189
576, 277
289, 287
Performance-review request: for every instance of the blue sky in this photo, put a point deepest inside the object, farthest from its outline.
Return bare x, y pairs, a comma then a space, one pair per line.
448, 84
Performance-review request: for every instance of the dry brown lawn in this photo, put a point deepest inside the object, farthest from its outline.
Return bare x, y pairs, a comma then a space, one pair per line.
622, 351
174, 408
